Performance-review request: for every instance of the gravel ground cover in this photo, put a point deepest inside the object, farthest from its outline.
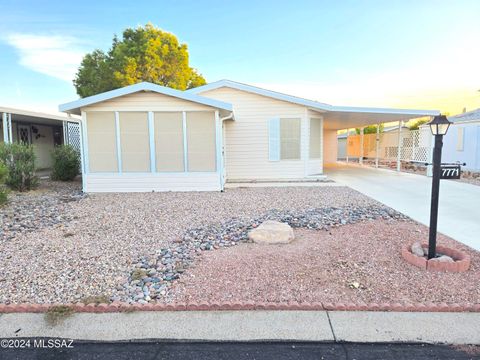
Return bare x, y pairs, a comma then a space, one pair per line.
155, 247
153, 276
44, 207
351, 263
94, 251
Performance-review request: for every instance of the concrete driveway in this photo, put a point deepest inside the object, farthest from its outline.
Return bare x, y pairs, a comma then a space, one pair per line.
459, 209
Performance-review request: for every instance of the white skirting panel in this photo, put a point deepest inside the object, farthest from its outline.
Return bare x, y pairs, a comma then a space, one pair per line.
314, 167
146, 182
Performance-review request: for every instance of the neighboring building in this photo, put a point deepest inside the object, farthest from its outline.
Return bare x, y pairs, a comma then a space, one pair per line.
370, 150
147, 137
43, 131
462, 141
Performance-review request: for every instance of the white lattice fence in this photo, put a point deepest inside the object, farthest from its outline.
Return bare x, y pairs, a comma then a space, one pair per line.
72, 136
415, 145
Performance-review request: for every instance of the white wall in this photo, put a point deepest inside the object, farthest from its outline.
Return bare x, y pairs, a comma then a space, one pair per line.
246, 145
147, 182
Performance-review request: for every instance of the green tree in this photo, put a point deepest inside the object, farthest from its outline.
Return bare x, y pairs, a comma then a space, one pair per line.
143, 54
417, 123
371, 129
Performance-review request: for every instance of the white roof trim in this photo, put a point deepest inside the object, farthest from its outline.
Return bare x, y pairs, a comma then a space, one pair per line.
314, 105
144, 86
256, 90
370, 110
36, 114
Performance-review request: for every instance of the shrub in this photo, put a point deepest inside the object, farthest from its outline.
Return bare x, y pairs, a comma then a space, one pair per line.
66, 163
3, 177
20, 162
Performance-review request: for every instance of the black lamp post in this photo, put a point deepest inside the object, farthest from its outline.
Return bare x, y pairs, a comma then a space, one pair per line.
439, 127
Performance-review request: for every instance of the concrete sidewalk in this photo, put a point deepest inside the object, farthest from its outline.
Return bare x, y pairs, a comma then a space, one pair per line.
328, 326
459, 212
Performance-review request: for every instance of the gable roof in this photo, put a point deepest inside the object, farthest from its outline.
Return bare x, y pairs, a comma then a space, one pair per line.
264, 92
473, 115
75, 106
314, 105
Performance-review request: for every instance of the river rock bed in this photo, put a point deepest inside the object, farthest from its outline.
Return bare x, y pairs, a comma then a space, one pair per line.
152, 276
44, 207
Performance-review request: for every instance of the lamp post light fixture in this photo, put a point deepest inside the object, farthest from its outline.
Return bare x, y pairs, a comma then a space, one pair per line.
439, 127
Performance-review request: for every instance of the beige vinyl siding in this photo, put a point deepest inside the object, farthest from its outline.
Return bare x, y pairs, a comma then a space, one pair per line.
329, 147
201, 141
315, 138
290, 139
102, 148
141, 101
134, 141
246, 145
169, 141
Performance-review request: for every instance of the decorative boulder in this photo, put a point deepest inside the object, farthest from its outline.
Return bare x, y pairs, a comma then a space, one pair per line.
272, 232
443, 258
417, 249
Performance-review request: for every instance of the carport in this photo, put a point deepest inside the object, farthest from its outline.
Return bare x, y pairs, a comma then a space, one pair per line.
396, 145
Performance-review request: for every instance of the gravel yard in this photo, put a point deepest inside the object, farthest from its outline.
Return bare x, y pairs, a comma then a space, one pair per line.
351, 263
102, 236
151, 246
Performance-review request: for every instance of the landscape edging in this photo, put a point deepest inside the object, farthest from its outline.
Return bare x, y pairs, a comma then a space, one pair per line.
119, 307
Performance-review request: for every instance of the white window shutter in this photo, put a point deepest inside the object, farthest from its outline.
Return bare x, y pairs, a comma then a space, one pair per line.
274, 139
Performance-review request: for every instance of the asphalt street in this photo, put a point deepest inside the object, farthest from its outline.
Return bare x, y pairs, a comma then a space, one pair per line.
243, 351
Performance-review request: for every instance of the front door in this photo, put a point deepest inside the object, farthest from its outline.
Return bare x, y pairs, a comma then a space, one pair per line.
24, 135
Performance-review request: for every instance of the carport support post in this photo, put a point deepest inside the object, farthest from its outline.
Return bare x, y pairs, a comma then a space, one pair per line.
399, 148
6, 128
10, 127
360, 161
346, 147
377, 144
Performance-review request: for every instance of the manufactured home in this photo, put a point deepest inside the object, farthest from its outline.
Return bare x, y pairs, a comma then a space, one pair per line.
43, 131
462, 141
147, 137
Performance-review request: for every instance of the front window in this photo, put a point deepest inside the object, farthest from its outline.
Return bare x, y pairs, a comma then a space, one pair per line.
290, 139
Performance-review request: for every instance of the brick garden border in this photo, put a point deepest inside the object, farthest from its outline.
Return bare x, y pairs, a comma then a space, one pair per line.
118, 307
461, 263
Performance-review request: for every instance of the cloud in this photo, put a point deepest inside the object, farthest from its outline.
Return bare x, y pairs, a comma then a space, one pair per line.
58, 56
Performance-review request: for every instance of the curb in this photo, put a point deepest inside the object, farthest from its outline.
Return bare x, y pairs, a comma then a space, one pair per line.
229, 306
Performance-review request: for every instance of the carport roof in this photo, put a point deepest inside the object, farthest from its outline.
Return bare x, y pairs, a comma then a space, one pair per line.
345, 117
24, 114
74, 107
336, 117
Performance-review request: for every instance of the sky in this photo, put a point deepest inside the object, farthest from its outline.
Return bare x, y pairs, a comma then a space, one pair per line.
408, 54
